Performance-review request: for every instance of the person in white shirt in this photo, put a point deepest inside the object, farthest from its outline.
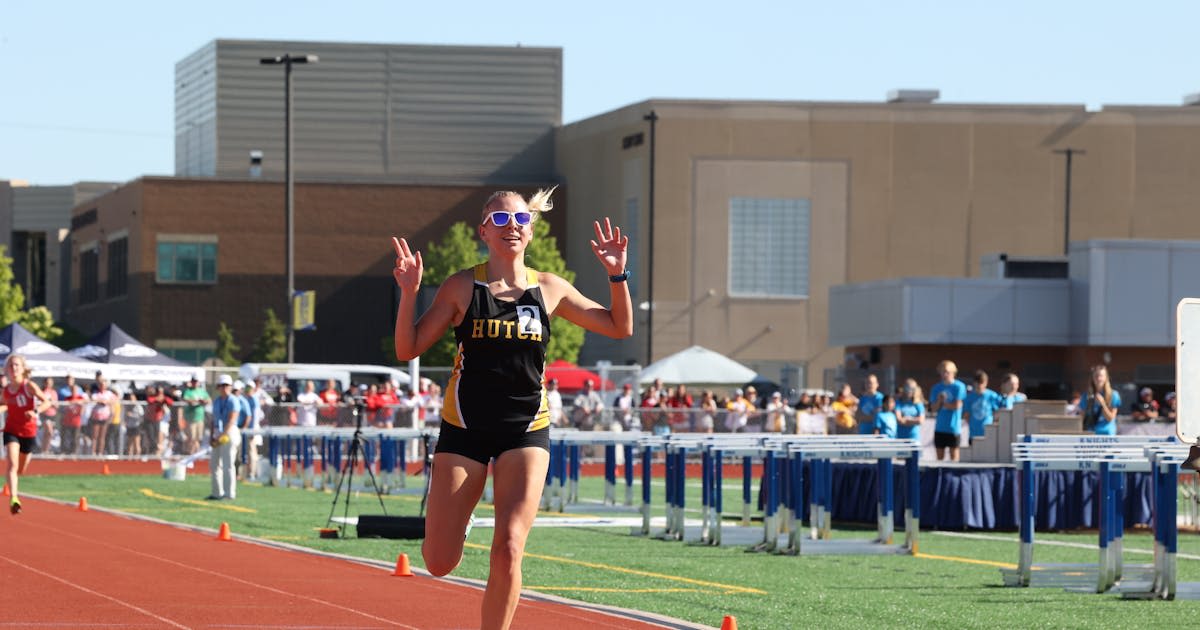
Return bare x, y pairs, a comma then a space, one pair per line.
308, 401
739, 412
624, 403
777, 408
554, 402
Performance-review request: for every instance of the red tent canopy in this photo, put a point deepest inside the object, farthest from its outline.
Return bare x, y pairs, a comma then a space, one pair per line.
571, 377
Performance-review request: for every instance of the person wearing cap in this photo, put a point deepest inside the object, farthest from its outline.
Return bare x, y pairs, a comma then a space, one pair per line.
776, 417
739, 412
1169, 411
191, 413
588, 407
1145, 408
624, 404
225, 439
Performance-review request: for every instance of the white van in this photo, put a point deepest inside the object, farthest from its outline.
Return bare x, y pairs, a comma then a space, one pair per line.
271, 375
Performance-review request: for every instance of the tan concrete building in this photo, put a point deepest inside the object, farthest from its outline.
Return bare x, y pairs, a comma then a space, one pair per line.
760, 208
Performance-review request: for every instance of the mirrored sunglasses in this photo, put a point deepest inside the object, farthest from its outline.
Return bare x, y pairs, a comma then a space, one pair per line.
500, 218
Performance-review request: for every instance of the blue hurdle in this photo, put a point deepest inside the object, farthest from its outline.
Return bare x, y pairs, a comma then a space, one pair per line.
783, 459
821, 453
1110, 457
284, 444
1164, 460
562, 477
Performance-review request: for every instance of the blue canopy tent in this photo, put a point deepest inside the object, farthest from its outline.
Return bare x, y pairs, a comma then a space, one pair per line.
124, 358
43, 357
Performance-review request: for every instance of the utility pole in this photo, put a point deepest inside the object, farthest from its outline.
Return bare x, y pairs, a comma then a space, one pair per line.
1069, 152
289, 184
653, 118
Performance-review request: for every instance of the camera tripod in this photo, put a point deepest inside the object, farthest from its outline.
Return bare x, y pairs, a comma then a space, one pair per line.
346, 478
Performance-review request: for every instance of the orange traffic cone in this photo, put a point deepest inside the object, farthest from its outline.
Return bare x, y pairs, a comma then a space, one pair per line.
223, 533
730, 623
402, 568
82, 504
105, 470
7, 492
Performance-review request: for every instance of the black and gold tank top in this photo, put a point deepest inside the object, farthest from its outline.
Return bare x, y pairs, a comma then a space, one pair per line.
498, 371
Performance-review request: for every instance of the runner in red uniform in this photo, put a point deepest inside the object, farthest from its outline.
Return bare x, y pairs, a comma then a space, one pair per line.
23, 401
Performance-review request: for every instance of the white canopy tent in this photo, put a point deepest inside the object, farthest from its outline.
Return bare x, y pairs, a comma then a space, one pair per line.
698, 366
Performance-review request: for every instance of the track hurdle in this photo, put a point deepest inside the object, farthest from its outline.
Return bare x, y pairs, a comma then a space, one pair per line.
821, 452
743, 448
286, 444
1110, 457
1164, 459
783, 459
676, 448
562, 477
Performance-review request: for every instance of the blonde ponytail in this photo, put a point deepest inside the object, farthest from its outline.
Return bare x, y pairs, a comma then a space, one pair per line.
540, 201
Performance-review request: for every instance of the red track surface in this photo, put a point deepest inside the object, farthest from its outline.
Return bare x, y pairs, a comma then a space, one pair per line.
63, 568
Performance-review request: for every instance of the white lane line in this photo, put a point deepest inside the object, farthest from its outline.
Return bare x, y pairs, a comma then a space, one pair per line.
234, 578
1053, 543
91, 592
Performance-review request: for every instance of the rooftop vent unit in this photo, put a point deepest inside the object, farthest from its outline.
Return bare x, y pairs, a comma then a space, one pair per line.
913, 96
1006, 266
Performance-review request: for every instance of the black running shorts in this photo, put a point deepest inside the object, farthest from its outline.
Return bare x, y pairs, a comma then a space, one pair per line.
945, 440
26, 443
482, 446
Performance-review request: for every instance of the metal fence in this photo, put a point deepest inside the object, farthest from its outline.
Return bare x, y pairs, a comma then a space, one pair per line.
137, 428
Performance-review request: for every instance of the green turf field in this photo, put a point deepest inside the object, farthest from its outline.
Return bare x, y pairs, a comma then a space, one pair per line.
955, 582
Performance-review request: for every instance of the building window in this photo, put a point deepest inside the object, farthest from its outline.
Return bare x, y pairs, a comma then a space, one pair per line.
89, 275
191, 352
118, 267
768, 247
189, 261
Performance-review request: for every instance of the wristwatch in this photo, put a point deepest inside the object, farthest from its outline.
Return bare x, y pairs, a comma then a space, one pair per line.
621, 277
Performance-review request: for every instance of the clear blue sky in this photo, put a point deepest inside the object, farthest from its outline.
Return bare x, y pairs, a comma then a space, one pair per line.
86, 87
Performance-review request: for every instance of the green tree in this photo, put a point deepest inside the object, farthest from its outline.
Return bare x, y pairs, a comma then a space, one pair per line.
271, 345
457, 250
38, 319
226, 348
566, 339
12, 296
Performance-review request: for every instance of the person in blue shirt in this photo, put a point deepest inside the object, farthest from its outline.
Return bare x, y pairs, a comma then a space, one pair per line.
226, 440
910, 411
886, 422
868, 404
1099, 409
979, 405
1010, 394
946, 400
244, 420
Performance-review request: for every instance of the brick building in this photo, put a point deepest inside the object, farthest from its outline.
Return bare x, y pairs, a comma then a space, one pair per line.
168, 259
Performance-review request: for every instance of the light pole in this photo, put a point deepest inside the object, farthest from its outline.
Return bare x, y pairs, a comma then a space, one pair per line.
1069, 152
652, 117
287, 61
